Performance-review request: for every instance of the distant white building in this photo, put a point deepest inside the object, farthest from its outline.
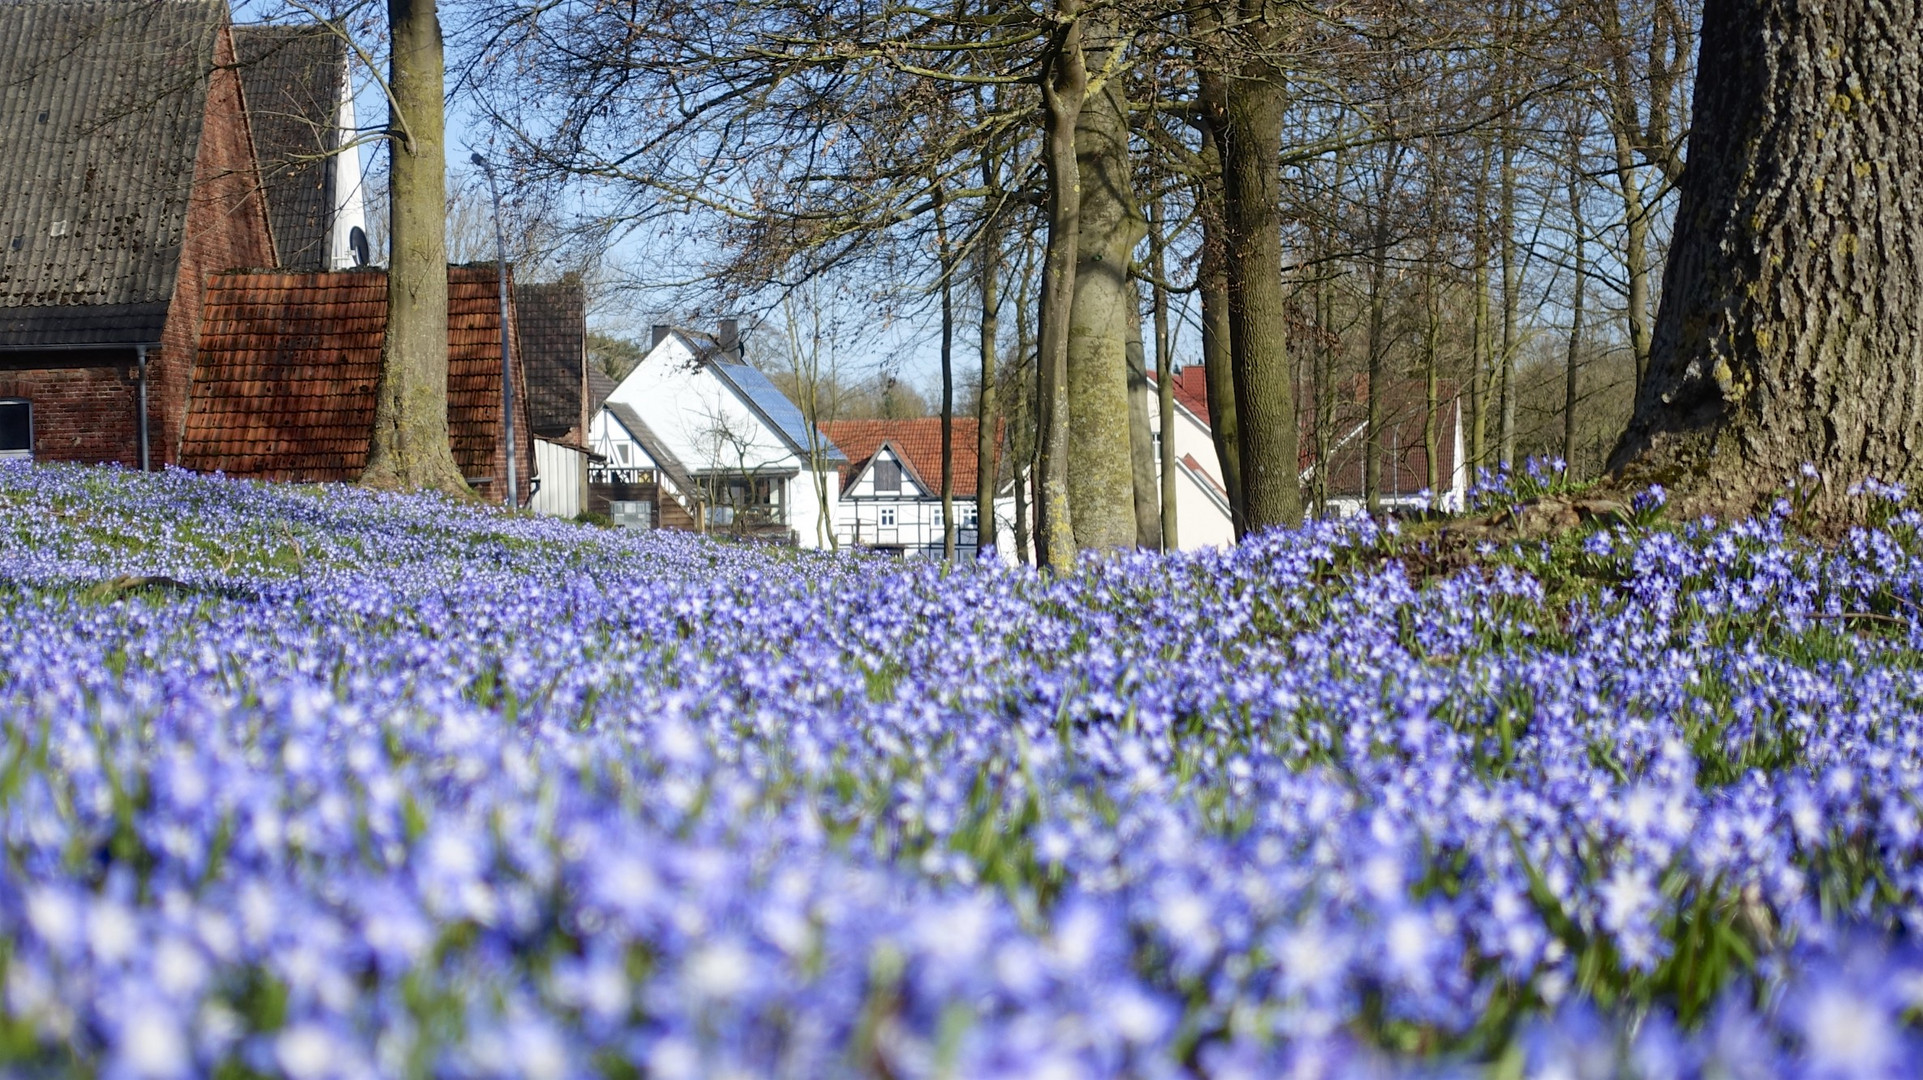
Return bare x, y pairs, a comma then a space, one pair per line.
1203, 514
694, 438
891, 487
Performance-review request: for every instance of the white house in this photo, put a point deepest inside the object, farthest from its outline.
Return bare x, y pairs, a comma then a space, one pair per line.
694, 430
891, 487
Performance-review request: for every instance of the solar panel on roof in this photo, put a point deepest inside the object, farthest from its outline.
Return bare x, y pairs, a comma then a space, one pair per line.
775, 407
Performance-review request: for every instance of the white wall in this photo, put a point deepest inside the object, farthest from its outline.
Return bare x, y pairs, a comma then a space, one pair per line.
350, 211
563, 472
1201, 520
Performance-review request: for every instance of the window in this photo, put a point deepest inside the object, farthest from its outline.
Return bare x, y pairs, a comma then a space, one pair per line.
631, 514
888, 517
970, 517
16, 430
888, 476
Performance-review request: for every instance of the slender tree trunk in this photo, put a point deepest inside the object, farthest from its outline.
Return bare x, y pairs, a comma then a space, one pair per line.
1247, 123
1141, 438
1378, 345
1431, 373
986, 443
1789, 331
1101, 481
1635, 255
1479, 333
1164, 381
1581, 268
409, 448
947, 381
1212, 285
1064, 86
1511, 285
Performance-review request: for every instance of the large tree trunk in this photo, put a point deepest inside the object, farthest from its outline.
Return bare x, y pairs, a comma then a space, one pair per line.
1789, 330
1101, 479
1064, 86
1247, 123
409, 448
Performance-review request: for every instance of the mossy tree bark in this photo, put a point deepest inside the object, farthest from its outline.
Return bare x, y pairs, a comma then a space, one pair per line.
1101, 483
1789, 330
409, 449
1064, 83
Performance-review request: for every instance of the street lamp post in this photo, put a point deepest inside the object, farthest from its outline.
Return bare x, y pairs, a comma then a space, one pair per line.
507, 366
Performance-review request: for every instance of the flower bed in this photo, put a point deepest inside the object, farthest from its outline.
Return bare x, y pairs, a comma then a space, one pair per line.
325, 783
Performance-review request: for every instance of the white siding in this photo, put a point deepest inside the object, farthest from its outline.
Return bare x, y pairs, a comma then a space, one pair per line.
563, 472
1202, 517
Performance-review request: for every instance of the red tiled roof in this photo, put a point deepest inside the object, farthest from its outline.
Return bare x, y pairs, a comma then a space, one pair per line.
1191, 389
918, 440
284, 384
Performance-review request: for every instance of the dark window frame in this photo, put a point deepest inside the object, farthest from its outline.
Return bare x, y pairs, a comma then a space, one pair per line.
28, 448
888, 476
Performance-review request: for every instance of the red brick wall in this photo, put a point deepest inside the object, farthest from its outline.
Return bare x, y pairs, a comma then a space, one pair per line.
80, 414
226, 230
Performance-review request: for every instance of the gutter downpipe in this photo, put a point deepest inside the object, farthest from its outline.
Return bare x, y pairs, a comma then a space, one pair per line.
140, 354
507, 368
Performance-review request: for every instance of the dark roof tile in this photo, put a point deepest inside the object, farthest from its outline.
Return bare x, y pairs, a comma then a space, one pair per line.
291, 77
101, 104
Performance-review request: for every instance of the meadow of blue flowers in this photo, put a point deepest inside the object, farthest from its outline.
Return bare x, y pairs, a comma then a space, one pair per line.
326, 783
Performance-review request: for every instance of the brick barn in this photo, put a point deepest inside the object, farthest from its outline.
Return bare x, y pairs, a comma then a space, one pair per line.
129, 175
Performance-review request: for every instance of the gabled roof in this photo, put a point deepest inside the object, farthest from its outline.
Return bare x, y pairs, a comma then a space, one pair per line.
664, 458
600, 385
551, 321
292, 77
101, 106
284, 385
917, 442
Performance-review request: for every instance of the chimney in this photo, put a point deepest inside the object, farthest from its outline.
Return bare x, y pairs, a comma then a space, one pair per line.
728, 339
661, 332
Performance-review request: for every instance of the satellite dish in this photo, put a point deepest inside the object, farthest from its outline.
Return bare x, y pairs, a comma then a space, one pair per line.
357, 240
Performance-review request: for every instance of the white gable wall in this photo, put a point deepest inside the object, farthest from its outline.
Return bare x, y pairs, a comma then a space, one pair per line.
704, 423
1200, 521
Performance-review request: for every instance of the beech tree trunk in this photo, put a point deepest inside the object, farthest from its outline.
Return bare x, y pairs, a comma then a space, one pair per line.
1064, 86
1101, 480
1790, 329
409, 447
